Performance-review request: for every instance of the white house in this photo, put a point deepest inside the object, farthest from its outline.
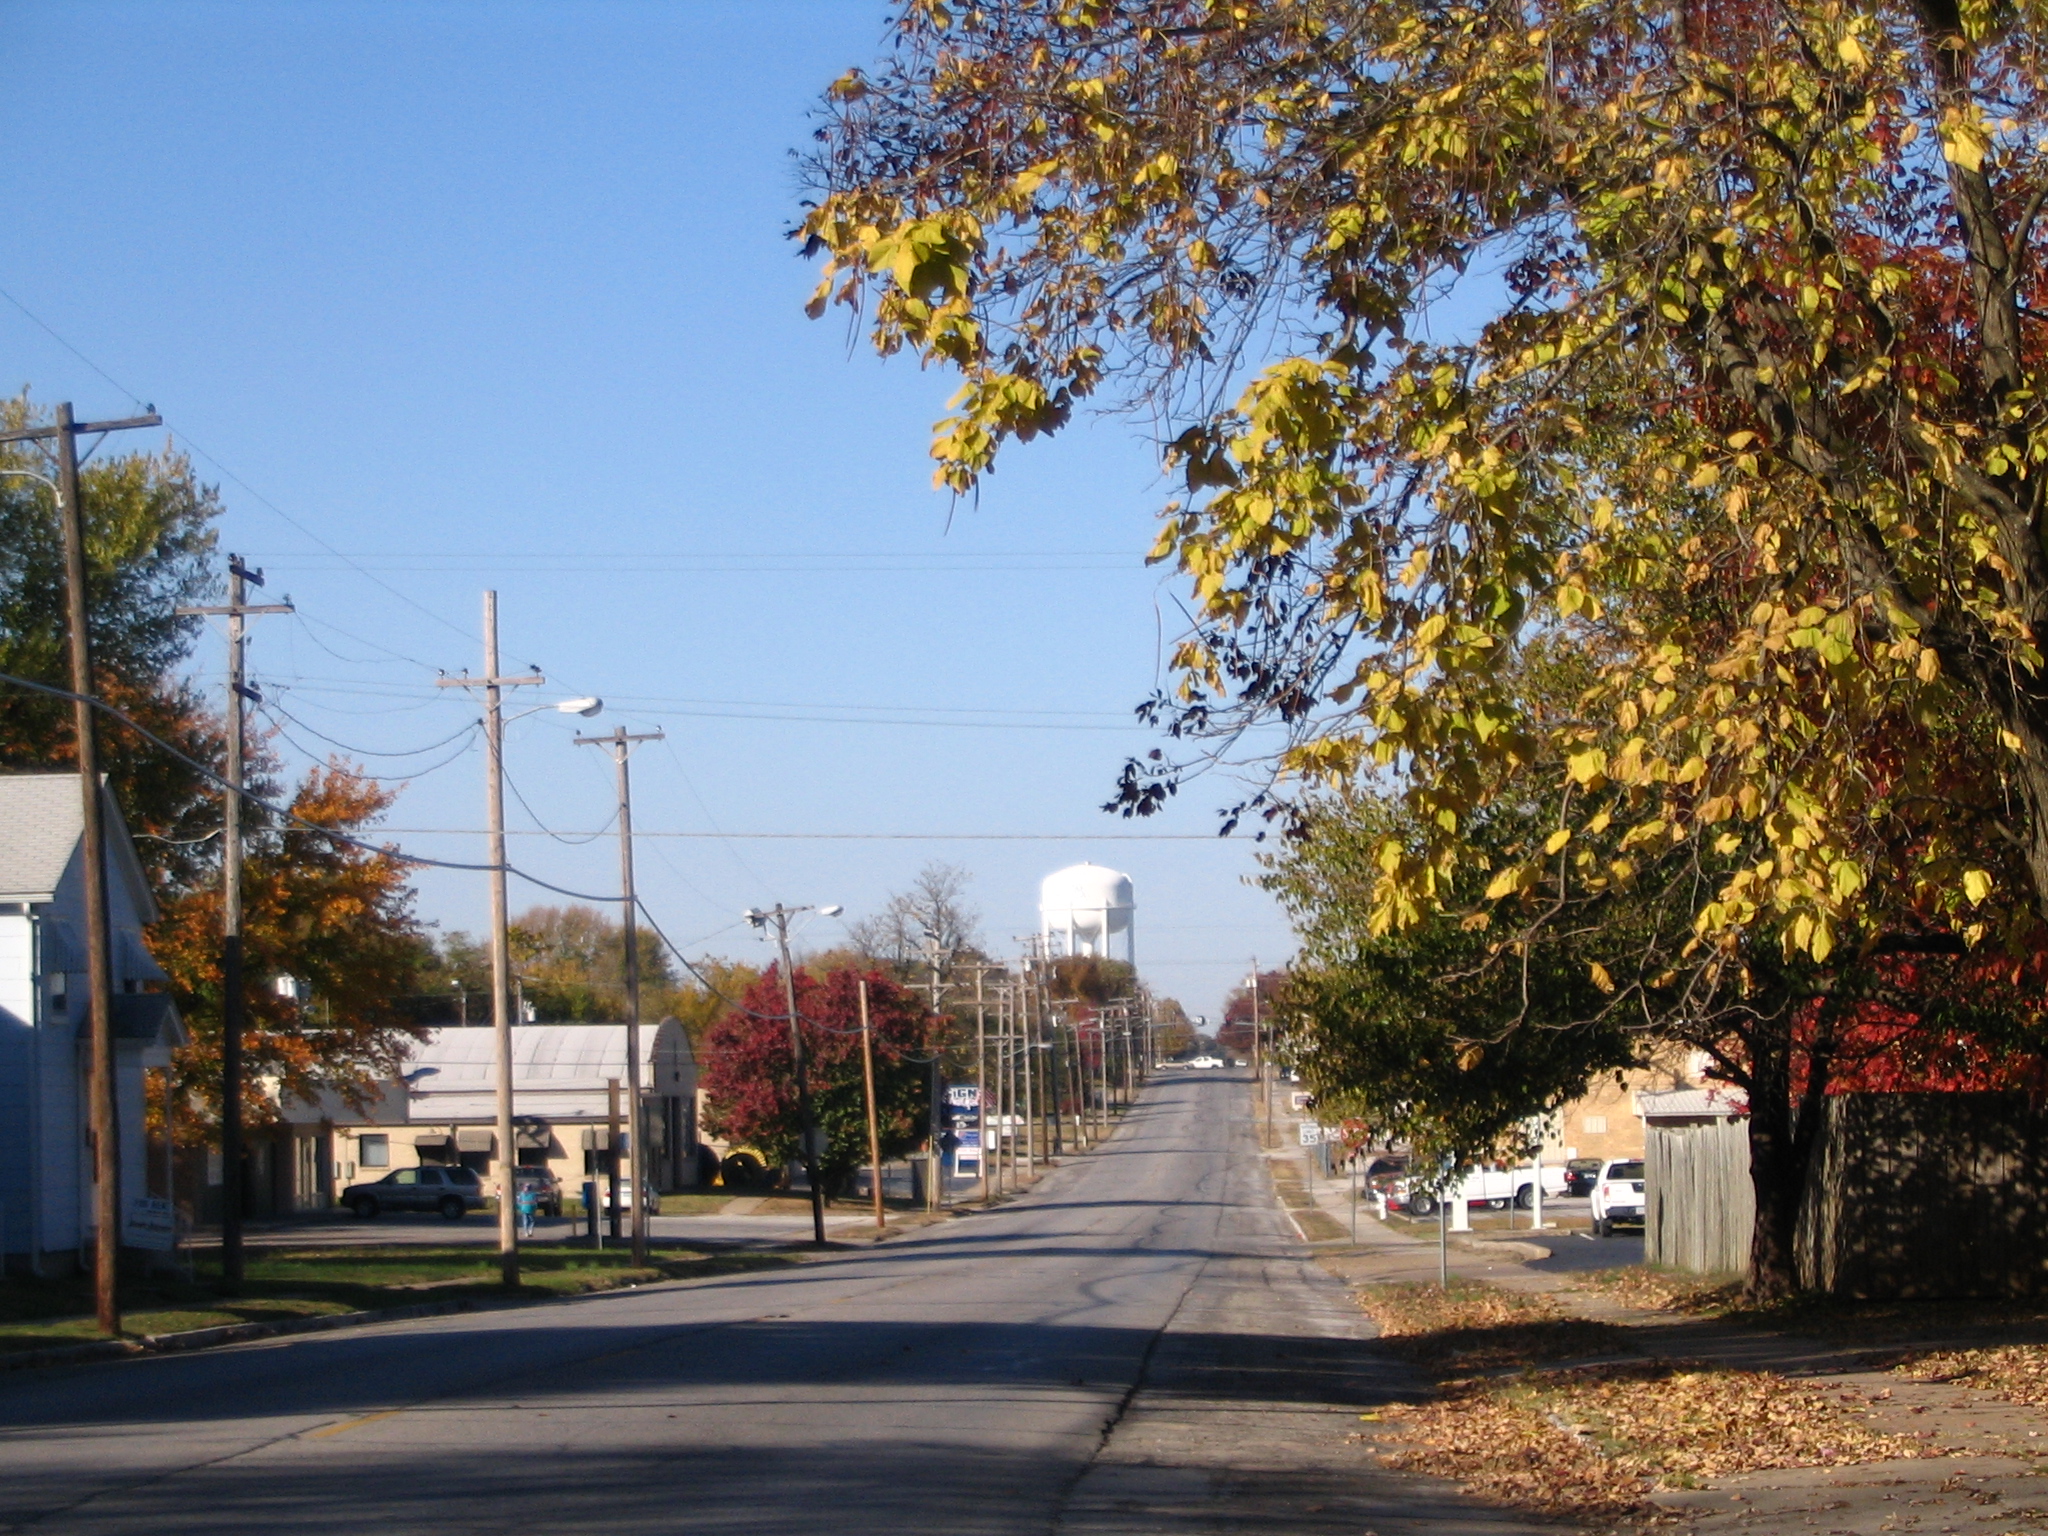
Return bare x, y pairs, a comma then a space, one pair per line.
46, 1168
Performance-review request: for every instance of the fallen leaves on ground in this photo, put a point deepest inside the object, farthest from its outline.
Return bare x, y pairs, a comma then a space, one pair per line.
1664, 1290
1482, 1327
1592, 1442
2016, 1372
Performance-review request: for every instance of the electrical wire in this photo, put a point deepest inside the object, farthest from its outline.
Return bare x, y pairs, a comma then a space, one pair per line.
284, 813
271, 706
378, 778
572, 841
355, 661
709, 986
228, 473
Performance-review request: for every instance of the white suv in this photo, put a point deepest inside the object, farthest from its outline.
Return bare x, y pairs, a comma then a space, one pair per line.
1618, 1195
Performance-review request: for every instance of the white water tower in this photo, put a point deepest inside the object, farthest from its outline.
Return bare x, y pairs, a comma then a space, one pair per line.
1085, 909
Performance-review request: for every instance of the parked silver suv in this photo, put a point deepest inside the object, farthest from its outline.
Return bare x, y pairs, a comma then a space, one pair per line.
451, 1191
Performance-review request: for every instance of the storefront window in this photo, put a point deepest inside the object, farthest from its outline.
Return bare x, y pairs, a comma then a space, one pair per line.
373, 1151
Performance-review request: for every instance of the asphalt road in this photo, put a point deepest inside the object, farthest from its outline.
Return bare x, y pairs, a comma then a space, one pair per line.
1139, 1345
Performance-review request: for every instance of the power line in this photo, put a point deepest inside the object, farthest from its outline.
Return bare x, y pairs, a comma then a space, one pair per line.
250, 490
271, 706
571, 839
284, 813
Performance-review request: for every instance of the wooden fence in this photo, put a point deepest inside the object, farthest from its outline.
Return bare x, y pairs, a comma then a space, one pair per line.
1910, 1194
1699, 1207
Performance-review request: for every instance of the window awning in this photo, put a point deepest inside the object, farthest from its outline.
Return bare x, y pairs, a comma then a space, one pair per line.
467, 1140
532, 1136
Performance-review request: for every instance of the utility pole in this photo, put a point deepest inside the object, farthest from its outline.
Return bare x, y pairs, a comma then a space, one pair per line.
867, 1064
621, 745
780, 915
106, 1160
936, 958
980, 1080
501, 958
1027, 1033
1259, 1056
234, 992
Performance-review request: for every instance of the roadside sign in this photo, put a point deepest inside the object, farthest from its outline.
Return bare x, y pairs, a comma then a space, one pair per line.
1314, 1135
967, 1154
150, 1223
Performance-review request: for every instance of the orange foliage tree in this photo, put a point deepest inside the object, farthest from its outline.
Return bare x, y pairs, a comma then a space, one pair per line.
337, 917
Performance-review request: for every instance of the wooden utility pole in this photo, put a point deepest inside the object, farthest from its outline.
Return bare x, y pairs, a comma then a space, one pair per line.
611, 1110
981, 1080
501, 958
63, 436
1027, 1029
779, 916
867, 1063
620, 743
233, 987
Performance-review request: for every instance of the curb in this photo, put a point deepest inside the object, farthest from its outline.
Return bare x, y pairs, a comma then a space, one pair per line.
237, 1333
1508, 1245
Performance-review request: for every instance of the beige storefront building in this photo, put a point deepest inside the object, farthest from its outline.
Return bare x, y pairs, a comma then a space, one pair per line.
563, 1080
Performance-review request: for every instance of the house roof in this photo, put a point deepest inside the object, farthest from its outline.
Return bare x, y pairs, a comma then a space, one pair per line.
1692, 1103
39, 827
41, 821
558, 1070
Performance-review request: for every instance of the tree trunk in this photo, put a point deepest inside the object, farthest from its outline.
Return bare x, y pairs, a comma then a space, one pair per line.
1778, 1175
1784, 1130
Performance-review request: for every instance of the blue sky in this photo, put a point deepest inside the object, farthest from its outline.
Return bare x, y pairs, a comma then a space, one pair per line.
449, 297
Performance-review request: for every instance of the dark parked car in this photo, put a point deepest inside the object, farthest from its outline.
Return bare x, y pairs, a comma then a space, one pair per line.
1580, 1175
547, 1189
451, 1191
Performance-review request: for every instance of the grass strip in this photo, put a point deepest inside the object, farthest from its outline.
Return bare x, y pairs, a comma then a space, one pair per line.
283, 1285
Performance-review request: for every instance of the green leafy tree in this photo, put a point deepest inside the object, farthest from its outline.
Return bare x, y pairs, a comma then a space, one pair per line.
1173, 1033
571, 964
1470, 322
149, 543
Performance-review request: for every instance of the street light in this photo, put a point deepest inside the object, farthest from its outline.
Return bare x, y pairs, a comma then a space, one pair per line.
585, 707
779, 916
493, 684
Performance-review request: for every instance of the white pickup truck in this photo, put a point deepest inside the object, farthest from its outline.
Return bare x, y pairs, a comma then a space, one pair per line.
1484, 1186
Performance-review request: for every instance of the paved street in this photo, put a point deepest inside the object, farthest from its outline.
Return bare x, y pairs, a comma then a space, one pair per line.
1137, 1346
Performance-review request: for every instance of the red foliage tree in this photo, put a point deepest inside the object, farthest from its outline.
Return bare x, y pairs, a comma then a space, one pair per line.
750, 1078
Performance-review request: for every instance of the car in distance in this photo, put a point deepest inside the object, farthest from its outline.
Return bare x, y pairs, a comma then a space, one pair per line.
547, 1189
1618, 1195
451, 1191
1580, 1175
604, 1197
1205, 1062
